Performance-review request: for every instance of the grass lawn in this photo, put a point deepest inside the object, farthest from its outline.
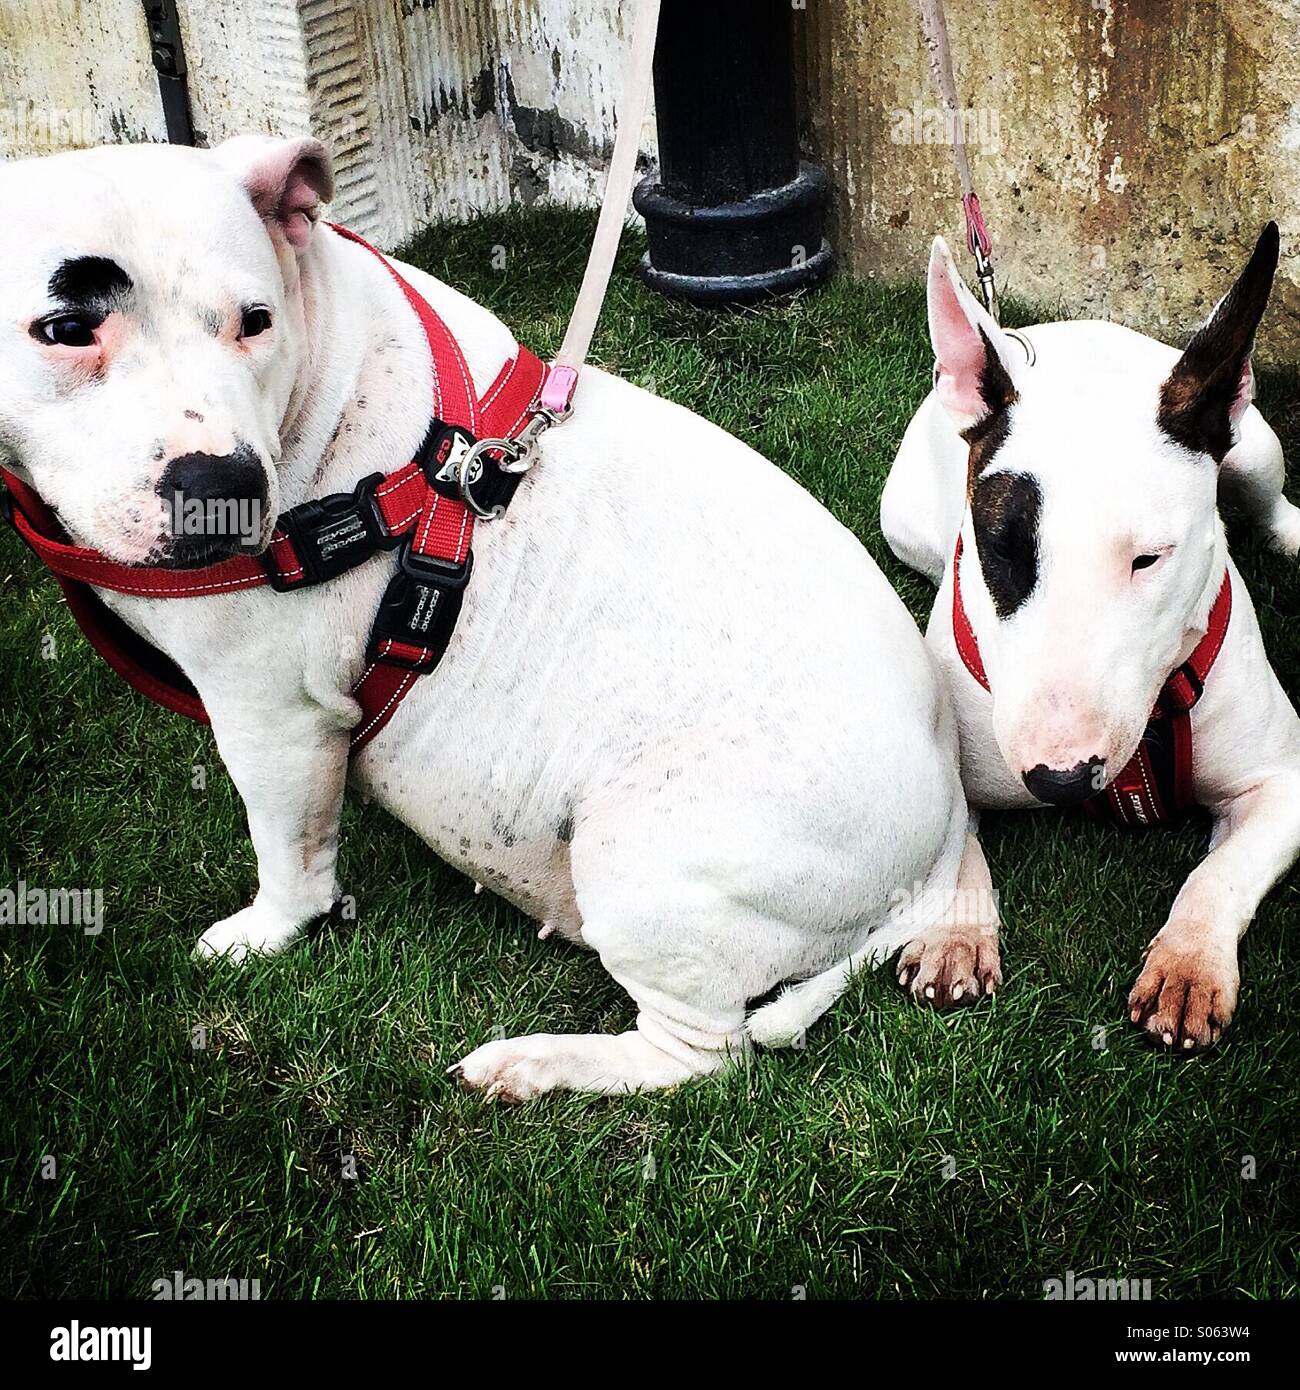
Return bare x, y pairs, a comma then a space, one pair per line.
899, 1154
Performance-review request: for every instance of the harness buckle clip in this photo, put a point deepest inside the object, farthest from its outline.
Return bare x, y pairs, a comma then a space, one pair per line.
516, 457
331, 535
418, 611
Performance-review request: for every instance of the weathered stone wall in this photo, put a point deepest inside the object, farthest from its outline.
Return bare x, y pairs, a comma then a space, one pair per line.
1130, 150
1126, 151
430, 109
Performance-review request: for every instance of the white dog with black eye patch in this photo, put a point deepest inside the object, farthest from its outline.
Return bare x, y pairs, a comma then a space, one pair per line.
1065, 480
683, 720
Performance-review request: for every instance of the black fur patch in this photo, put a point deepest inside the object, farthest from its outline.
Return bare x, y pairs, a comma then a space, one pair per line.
1005, 508
988, 434
86, 282
1195, 399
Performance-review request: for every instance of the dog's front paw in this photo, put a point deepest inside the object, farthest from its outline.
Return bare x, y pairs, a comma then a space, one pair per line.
511, 1069
1186, 992
253, 931
948, 965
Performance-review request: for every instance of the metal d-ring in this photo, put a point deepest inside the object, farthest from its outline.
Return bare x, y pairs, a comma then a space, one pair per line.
1031, 356
515, 456
509, 448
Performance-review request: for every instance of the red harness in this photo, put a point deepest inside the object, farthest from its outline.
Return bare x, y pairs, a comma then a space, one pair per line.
421, 511
1156, 788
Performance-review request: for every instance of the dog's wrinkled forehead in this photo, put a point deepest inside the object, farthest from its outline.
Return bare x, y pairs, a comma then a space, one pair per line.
129, 227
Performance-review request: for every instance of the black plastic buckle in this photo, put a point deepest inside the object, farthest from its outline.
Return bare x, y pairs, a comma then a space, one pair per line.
429, 569
331, 535
440, 454
7, 506
419, 608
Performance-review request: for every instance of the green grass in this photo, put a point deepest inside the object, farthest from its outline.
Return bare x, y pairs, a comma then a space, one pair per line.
823, 1168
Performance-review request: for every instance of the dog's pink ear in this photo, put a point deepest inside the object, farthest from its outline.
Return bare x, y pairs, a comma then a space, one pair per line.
286, 180
1213, 383
972, 372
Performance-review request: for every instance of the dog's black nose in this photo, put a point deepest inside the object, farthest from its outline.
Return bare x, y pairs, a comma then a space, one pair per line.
1068, 788
233, 477
216, 504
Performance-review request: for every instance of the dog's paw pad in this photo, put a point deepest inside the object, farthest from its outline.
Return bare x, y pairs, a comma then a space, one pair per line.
949, 966
1184, 998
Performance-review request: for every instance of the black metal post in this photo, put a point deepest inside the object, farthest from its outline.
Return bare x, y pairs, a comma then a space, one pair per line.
734, 215
169, 59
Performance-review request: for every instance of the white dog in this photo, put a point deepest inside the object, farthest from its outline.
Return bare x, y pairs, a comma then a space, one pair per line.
1064, 482
683, 719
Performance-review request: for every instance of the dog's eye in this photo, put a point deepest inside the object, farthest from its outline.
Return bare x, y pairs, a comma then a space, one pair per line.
254, 322
1144, 562
68, 330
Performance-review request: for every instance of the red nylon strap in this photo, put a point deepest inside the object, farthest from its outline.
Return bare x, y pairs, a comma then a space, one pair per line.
977, 232
138, 663
1151, 789
453, 388
967, 647
444, 528
439, 527
35, 523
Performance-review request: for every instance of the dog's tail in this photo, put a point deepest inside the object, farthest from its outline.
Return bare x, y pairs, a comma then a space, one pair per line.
784, 1021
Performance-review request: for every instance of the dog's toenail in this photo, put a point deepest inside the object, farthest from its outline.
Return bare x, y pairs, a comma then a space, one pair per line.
1168, 1037
1189, 1043
929, 991
956, 992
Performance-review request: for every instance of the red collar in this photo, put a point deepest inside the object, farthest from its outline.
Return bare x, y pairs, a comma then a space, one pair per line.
418, 510
1156, 786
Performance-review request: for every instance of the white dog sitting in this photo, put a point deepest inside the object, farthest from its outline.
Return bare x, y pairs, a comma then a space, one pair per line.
683, 719
1060, 486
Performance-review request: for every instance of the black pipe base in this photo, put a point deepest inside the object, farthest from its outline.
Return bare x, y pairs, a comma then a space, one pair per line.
766, 245
739, 289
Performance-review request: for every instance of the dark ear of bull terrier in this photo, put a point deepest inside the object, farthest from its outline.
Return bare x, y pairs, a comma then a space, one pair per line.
1060, 484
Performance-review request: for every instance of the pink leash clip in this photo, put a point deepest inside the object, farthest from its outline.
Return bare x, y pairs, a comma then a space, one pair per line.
556, 395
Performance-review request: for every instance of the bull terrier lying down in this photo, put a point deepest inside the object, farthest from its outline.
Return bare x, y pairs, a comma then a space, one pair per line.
683, 720
1060, 486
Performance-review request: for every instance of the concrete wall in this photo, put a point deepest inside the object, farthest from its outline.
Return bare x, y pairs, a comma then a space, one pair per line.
431, 109
1127, 151
1130, 150
75, 74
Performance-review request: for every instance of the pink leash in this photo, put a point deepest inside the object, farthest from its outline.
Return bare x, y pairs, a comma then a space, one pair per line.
978, 241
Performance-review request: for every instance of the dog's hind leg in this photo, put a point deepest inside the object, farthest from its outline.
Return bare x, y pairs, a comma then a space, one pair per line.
1252, 475
689, 1023
950, 957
